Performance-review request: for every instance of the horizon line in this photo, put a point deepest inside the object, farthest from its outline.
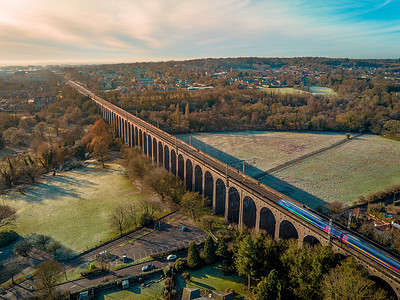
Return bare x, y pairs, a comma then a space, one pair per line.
47, 63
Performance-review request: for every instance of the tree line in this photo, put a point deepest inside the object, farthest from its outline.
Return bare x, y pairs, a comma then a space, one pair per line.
362, 106
157, 180
367, 99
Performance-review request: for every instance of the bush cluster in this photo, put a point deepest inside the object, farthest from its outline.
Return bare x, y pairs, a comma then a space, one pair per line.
7, 237
383, 194
91, 272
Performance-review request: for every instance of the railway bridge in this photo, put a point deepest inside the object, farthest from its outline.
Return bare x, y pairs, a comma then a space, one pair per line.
240, 198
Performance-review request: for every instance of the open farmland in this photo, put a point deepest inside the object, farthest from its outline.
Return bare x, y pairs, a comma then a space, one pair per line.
73, 207
262, 150
366, 164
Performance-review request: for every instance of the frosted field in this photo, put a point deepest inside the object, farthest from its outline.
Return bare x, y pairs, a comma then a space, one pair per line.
361, 166
73, 207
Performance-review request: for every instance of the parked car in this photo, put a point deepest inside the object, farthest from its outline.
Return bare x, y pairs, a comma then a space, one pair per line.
171, 257
124, 258
148, 268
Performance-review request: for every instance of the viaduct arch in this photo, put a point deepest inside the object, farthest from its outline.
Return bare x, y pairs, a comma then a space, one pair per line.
238, 197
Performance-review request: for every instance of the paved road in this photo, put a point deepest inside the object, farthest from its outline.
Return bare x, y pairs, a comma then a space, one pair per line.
85, 282
169, 237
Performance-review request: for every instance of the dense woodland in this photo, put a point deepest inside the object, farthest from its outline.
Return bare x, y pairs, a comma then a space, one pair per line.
46, 140
367, 99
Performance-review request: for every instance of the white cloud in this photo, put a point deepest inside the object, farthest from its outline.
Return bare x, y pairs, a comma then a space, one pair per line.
106, 29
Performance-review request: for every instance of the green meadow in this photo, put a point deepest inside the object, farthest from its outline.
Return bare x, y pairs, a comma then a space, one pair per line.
73, 207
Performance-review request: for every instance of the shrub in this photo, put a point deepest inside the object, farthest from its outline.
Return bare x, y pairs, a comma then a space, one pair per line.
180, 265
186, 276
227, 270
145, 219
22, 248
168, 271
207, 222
91, 272
7, 237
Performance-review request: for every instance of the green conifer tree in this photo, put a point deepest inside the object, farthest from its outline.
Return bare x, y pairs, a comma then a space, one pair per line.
193, 258
222, 250
209, 251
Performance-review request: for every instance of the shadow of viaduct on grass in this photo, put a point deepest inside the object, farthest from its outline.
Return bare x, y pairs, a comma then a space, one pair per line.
268, 179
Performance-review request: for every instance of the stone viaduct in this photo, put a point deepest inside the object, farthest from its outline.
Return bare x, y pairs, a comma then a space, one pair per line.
240, 198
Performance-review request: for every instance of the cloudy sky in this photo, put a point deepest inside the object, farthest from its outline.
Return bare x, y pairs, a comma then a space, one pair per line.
92, 31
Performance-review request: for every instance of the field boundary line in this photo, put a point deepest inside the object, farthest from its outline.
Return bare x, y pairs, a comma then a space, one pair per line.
306, 156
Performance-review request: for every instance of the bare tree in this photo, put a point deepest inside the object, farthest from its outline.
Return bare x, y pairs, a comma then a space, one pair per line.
47, 275
30, 168
22, 248
118, 219
12, 267
53, 247
131, 215
337, 206
149, 208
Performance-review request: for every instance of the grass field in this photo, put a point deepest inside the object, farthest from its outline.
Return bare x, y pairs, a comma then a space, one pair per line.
314, 89
211, 278
367, 164
321, 90
135, 292
262, 149
73, 207
364, 165
283, 90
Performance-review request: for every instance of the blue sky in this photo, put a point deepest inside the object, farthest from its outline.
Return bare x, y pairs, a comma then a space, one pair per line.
96, 31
